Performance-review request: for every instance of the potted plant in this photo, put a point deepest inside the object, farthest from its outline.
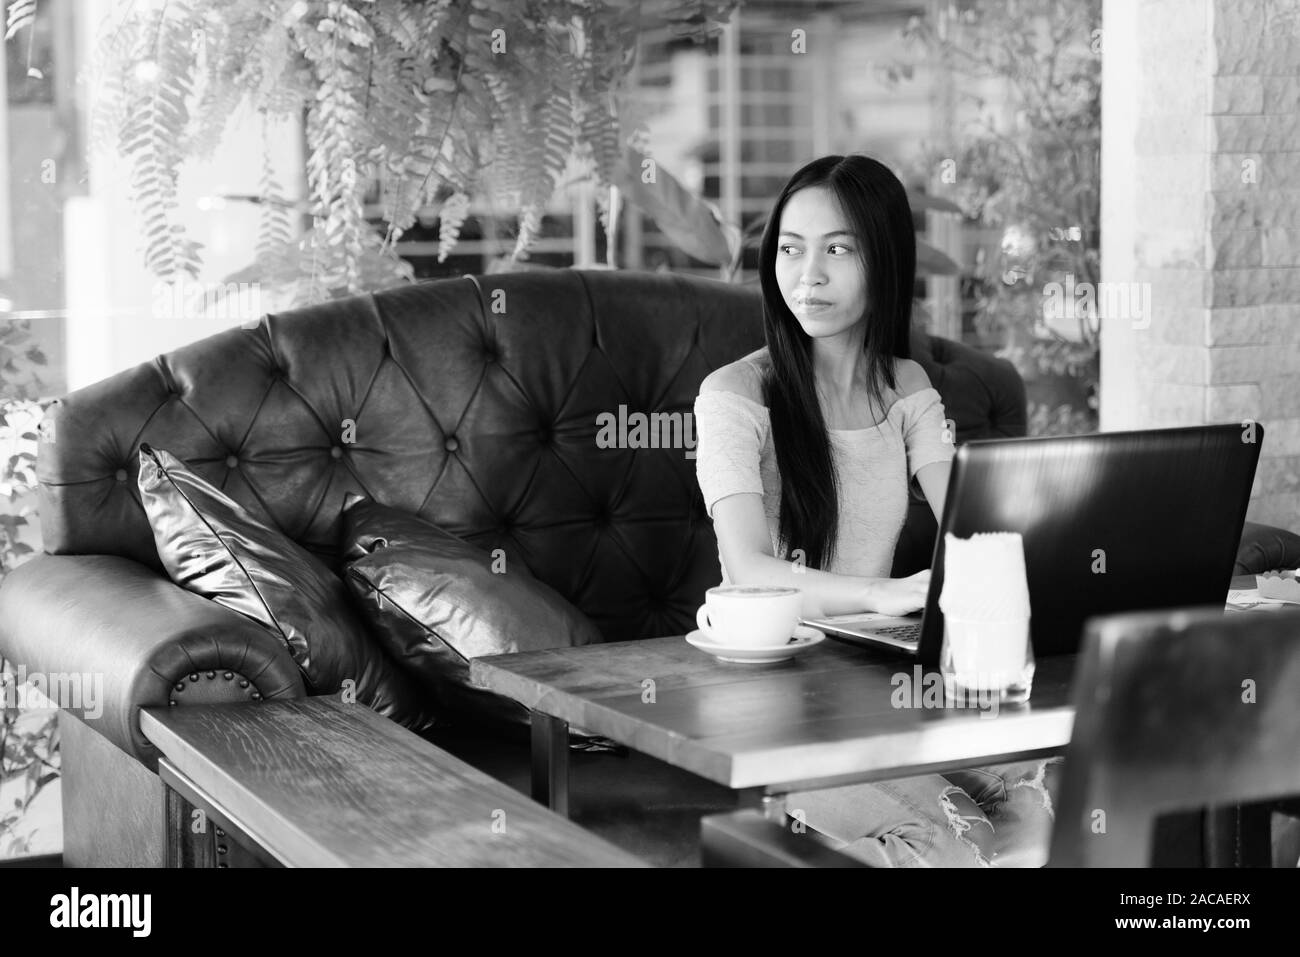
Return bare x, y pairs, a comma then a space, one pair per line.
28, 739
1033, 186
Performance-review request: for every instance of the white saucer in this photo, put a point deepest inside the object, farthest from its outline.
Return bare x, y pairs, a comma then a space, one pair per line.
804, 638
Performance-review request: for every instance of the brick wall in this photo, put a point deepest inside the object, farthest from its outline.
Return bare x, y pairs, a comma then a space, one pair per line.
1214, 220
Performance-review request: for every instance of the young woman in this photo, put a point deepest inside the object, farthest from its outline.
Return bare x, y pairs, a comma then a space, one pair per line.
805, 450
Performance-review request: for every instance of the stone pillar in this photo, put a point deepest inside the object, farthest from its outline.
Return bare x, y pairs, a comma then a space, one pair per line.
1201, 200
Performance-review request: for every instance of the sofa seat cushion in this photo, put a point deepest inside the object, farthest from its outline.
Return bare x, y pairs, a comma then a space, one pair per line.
434, 602
211, 545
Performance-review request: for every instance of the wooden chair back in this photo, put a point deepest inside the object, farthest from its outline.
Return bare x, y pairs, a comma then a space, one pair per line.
1176, 710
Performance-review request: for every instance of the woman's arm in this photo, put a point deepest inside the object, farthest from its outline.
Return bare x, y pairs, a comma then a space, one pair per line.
920, 438
933, 479
731, 429
746, 547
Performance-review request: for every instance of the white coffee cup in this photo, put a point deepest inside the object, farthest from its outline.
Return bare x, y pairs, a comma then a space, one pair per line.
749, 616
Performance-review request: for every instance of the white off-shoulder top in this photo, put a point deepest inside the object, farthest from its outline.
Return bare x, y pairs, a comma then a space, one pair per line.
873, 466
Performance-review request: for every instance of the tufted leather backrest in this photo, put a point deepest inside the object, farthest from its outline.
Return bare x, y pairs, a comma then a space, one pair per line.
474, 402
983, 395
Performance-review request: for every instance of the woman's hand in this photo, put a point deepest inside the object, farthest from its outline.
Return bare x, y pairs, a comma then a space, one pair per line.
899, 596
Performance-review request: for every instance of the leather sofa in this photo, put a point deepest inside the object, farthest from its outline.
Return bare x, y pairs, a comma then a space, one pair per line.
473, 402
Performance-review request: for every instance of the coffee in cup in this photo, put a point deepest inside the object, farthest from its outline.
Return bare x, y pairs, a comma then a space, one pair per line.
749, 616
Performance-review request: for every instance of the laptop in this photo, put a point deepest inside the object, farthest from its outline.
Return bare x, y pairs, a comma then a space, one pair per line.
1111, 522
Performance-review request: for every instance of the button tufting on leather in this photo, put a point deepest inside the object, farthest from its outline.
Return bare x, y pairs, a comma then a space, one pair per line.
417, 401
120, 475
231, 461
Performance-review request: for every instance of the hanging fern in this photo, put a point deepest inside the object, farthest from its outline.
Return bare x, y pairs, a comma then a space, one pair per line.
221, 48
275, 229
548, 127
153, 134
22, 14
436, 100
451, 218
338, 165
111, 72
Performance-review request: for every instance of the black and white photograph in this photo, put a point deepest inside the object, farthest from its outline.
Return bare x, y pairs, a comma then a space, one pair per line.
650, 434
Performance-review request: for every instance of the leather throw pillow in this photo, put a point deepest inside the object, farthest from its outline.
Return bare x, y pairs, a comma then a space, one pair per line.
435, 602
211, 545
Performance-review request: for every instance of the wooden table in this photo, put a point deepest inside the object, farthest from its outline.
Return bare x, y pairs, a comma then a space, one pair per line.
824, 719
315, 782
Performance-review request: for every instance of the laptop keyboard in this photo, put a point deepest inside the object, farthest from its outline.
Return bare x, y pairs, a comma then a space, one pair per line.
900, 632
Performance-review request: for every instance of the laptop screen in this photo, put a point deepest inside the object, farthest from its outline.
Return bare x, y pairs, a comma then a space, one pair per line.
1111, 522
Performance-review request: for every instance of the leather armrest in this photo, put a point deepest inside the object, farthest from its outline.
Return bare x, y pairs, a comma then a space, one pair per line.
125, 637
1264, 548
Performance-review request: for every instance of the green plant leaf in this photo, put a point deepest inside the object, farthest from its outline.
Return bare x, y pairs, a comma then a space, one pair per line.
692, 223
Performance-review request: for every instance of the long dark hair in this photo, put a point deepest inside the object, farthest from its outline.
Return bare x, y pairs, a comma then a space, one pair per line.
877, 209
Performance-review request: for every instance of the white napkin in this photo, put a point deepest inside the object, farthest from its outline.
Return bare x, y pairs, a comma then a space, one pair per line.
984, 577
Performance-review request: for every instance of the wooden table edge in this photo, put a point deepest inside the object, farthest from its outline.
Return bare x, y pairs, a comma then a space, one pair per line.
1021, 735
302, 849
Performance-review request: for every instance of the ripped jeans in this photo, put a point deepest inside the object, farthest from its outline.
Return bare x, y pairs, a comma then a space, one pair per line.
999, 815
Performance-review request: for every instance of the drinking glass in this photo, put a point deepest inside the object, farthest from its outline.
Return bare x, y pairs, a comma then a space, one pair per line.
984, 660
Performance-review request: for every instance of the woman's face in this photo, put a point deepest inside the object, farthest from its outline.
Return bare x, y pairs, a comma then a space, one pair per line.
819, 264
